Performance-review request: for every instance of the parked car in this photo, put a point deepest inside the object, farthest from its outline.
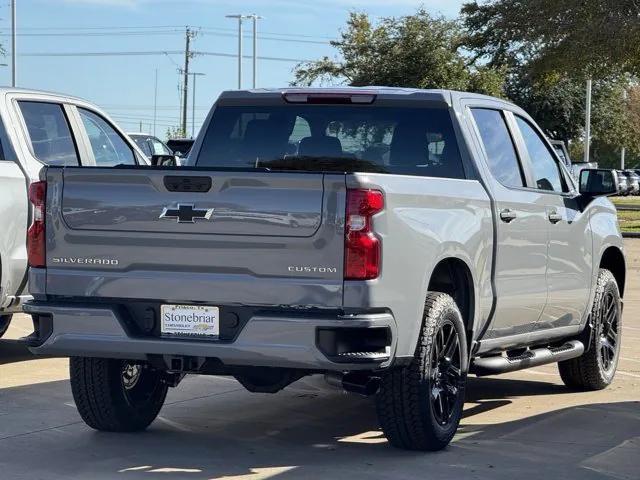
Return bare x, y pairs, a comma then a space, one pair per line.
39, 129
577, 167
150, 145
633, 181
623, 183
446, 240
180, 146
157, 152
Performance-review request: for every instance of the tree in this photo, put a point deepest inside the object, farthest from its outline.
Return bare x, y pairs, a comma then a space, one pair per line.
413, 51
549, 49
582, 38
175, 132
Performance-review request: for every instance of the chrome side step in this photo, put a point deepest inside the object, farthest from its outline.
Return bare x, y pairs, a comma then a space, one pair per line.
494, 365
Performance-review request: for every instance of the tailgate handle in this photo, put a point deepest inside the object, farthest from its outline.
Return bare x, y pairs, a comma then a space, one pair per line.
187, 184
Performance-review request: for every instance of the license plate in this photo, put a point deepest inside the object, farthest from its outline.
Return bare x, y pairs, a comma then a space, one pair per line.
190, 320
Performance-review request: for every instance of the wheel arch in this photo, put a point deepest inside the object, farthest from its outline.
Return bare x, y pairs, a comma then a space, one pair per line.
2, 287
452, 276
613, 260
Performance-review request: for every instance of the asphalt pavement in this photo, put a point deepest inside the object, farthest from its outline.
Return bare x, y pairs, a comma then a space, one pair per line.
520, 425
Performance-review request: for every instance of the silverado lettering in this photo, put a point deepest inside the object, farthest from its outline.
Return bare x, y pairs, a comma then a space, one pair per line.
85, 261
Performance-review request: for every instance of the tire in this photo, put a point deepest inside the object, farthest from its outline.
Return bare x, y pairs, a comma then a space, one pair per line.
110, 397
596, 368
410, 415
5, 320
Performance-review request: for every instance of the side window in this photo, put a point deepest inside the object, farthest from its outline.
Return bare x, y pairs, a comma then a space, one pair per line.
109, 148
49, 132
545, 169
501, 153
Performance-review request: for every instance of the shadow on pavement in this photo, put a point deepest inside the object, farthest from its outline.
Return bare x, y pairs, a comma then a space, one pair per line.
212, 428
12, 351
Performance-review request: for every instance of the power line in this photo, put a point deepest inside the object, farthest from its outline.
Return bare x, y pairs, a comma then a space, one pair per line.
146, 116
149, 107
100, 54
92, 34
177, 28
233, 55
165, 33
155, 52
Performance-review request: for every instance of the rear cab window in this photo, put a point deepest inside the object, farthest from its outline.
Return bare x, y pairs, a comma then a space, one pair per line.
345, 138
49, 134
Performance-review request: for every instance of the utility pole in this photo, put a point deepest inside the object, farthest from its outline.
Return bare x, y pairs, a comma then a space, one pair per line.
240, 18
623, 149
155, 103
14, 61
255, 47
193, 103
189, 34
587, 126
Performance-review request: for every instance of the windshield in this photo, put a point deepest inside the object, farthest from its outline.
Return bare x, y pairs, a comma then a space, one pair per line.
410, 141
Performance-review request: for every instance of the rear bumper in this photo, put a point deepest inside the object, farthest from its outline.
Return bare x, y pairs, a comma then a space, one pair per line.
267, 340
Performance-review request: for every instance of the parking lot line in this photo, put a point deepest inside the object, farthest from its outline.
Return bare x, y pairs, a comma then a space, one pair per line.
630, 359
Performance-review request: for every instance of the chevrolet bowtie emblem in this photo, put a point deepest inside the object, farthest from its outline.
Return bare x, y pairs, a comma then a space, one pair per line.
186, 213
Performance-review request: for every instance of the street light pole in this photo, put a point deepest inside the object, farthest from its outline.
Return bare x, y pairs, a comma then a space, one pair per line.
623, 149
255, 47
193, 103
155, 103
13, 43
587, 121
240, 18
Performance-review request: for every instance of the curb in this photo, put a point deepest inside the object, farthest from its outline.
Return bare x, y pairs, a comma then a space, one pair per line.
631, 234
627, 208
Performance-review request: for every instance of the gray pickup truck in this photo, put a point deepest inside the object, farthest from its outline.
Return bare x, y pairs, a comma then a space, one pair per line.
393, 240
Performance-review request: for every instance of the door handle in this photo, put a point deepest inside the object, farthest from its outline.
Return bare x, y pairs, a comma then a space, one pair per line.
555, 217
507, 215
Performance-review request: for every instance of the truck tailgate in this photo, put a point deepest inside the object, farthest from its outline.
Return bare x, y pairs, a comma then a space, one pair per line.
196, 235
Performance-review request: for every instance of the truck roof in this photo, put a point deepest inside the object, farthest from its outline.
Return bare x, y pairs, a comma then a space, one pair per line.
443, 95
4, 90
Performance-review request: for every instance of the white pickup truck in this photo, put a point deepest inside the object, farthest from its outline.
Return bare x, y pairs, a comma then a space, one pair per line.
36, 129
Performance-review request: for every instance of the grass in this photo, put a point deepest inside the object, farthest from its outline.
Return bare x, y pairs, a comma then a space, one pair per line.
629, 220
631, 201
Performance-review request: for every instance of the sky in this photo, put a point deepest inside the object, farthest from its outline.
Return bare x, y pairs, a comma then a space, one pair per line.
123, 85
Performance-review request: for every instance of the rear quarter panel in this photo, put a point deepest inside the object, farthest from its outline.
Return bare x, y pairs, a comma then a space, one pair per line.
425, 220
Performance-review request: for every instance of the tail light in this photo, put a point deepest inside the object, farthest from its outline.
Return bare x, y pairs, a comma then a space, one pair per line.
35, 234
362, 246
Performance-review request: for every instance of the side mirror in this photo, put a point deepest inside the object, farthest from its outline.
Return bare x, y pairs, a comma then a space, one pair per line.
598, 182
164, 161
